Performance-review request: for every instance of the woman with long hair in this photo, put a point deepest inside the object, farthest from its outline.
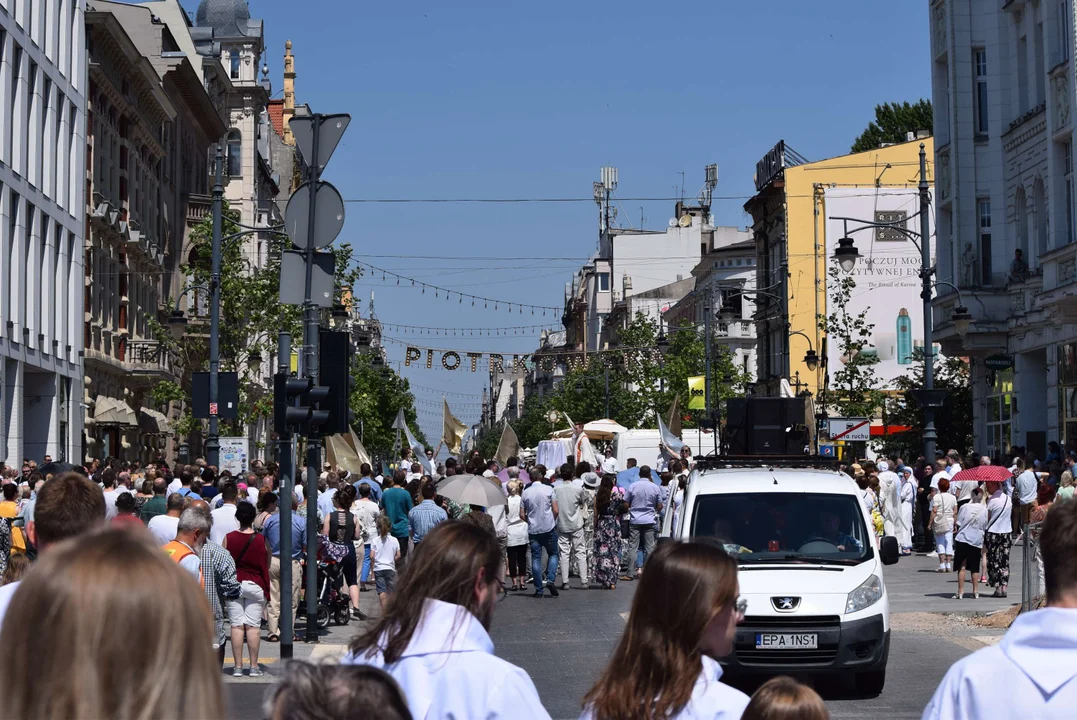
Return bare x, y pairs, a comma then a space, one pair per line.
340, 527
609, 505
684, 617
267, 505
76, 608
517, 537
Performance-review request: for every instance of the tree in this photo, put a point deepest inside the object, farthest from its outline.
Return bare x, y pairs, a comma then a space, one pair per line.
533, 424
251, 317
853, 389
378, 393
953, 421
893, 121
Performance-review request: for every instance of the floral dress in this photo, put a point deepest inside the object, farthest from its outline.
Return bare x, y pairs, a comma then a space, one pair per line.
608, 542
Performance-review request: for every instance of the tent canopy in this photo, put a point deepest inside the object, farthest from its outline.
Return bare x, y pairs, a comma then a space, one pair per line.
596, 430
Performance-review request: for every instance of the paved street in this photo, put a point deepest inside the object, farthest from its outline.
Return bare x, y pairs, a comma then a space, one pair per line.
563, 643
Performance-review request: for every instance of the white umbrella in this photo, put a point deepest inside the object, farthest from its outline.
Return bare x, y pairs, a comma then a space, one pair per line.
596, 430
473, 490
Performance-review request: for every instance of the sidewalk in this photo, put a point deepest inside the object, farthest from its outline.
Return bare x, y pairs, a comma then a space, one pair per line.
331, 647
914, 586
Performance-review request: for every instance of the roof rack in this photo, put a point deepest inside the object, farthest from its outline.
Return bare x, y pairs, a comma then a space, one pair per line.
712, 462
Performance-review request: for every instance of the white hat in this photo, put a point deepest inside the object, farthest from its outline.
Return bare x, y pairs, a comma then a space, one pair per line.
488, 473
609, 466
590, 480
883, 466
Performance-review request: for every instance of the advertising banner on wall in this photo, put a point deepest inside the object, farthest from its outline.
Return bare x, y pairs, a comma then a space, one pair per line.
234, 455
887, 274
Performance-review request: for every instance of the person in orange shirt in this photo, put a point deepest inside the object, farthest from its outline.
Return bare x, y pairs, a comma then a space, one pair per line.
191, 534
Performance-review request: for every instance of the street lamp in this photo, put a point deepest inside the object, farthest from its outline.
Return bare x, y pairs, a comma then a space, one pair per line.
846, 253
811, 359
961, 317
177, 322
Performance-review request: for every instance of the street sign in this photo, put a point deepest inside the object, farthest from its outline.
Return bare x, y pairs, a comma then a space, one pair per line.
330, 129
328, 216
998, 362
293, 278
697, 393
850, 429
227, 405
212, 409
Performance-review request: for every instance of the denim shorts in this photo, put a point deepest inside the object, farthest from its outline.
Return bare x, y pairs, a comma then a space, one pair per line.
385, 581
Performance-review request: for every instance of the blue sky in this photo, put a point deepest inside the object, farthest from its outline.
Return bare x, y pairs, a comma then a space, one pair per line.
498, 100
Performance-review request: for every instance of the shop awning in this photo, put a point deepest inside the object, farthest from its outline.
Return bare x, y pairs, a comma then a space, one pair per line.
152, 422
109, 411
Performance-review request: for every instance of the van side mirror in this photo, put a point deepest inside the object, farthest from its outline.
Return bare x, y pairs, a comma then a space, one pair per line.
888, 550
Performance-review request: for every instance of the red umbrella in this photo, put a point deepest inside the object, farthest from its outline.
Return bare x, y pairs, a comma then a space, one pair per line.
983, 473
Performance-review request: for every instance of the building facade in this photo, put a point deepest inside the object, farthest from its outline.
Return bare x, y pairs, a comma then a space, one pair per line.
151, 125
723, 279
794, 238
1003, 91
42, 198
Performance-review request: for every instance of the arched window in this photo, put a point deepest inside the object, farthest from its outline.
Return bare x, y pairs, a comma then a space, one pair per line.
1022, 222
1039, 199
235, 154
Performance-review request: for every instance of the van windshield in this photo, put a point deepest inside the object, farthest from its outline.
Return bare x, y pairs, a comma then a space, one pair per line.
785, 527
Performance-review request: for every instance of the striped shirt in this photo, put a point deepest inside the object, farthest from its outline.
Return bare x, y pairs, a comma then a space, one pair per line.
423, 518
219, 572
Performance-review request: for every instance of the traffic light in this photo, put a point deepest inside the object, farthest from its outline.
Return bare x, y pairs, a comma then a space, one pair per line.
296, 405
334, 371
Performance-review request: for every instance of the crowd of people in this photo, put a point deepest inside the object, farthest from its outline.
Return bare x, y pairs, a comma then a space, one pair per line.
969, 524
195, 556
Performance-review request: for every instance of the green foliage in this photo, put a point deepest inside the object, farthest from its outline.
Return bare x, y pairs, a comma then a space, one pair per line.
486, 442
853, 388
378, 393
532, 424
953, 422
892, 122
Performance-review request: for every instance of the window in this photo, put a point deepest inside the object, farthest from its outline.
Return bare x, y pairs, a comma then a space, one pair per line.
985, 242
234, 159
1022, 222
980, 63
1022, 76
1067, 162
234, 67
604, 282
1062, 41
1039, 199
1041, 70
1000, 412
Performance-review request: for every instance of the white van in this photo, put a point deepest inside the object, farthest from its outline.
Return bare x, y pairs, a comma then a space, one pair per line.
643, 445
808, 565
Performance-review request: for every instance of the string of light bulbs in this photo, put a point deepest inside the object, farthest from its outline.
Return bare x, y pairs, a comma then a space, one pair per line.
468, 332
448, 293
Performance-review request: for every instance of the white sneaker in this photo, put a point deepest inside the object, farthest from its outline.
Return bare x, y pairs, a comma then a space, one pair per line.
932, 554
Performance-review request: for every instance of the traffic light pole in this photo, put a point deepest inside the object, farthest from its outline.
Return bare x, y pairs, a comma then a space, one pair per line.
213, 443
286, 454
310, 370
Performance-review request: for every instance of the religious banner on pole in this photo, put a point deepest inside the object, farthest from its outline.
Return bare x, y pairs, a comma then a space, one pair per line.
697, 393
508, 447
674, 421
418, 452
671, 444
453, 432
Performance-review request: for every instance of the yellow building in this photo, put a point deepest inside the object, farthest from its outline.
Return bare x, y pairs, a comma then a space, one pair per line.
789, 214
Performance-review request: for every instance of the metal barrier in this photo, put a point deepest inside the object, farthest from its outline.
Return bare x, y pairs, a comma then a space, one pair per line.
1032, 585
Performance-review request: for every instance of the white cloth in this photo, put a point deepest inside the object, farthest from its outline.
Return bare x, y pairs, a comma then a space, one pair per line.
517, 527
1026, 487
953, 469
999, 509
449, 670
971, 524
962, 489
252, 495
938, 476
6, 593
890, 501
904, 528
384, 551
325, 502
501, 521
944, 506
1029, 674
711, 699
551, 454
224, 522
247, 608
366, 517
163, 528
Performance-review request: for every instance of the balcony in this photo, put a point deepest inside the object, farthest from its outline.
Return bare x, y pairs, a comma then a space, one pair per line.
991, 313
1058, 293
148, 360
199, 207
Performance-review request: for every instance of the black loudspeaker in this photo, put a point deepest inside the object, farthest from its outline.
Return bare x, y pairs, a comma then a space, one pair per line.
765, 426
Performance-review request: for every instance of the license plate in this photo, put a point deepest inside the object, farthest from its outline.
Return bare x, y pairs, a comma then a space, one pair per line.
782, 641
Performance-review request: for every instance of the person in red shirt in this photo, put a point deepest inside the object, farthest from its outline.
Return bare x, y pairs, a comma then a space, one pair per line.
251, 552
126, 512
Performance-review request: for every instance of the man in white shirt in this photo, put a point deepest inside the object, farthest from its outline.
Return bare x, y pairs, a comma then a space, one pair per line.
570, 503
67, 505
1032, 672
163, 527
1026, 490
444, 660
111, 492
954, 459
224, 517
365, 511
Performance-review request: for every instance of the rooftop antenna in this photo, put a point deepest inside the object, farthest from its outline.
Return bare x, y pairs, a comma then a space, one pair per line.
370, 308
682, 186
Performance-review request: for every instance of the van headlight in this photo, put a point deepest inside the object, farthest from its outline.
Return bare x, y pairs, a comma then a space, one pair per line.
869, 593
